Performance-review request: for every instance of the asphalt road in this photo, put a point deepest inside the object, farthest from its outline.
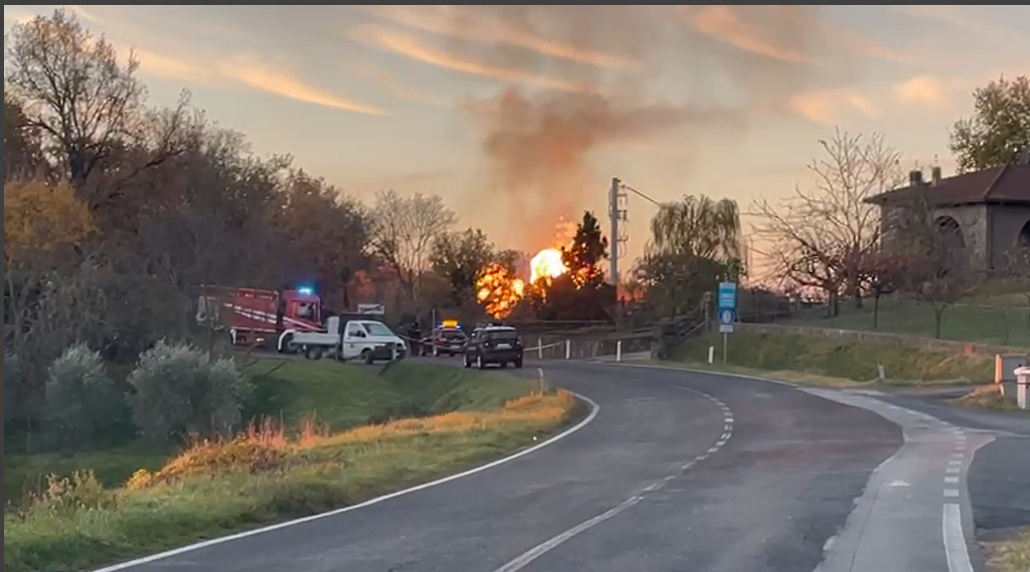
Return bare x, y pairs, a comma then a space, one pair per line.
999, 478
677, 472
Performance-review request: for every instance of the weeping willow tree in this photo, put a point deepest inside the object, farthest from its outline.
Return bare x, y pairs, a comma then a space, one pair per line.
695, 243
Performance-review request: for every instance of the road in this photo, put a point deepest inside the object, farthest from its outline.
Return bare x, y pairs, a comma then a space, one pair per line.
677, 471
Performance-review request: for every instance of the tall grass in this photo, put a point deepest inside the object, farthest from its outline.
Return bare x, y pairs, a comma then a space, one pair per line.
266, 473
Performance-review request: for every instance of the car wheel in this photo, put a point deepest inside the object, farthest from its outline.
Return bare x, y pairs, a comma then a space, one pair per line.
480, 364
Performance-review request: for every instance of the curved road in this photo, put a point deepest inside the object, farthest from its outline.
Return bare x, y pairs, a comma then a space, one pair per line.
678, 471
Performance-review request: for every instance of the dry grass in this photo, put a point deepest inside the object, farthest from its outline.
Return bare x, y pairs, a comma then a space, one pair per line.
1011, 556
267, 473
987, 397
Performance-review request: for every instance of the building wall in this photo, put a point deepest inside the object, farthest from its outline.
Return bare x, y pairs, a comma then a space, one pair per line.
975, 224
1007, 221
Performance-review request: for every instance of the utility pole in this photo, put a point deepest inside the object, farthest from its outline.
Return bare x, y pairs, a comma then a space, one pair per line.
616, 215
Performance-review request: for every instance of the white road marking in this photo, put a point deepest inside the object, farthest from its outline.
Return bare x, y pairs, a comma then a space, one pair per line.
951, 480
951, 493
953, 470
526, 558
595, 409
955, 540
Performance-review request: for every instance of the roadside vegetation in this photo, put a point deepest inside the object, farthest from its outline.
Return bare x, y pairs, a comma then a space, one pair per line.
990, 398
323, 436
829, 362
1010, 556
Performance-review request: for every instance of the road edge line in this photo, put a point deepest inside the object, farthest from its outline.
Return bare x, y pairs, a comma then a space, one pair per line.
955, 543
595, 409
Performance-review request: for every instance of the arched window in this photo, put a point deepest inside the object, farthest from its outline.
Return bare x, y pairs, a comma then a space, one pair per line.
950, 232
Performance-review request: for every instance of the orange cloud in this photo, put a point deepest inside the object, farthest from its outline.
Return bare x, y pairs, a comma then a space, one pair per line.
489, 30
164, 66
724, 24
412, 47
922, 89
827, 107
258, 75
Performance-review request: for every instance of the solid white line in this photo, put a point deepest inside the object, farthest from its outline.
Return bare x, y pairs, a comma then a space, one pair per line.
594, 410
955, 540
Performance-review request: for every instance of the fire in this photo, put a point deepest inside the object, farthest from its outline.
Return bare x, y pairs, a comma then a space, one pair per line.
498, 291
548, 262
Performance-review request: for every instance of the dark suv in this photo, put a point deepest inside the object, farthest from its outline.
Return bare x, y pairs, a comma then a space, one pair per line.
494, 345
446, 341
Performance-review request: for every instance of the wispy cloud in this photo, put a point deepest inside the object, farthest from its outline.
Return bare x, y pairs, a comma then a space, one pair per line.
413, 47
724, 23
830, 106
490, 29
966, 18
258, 75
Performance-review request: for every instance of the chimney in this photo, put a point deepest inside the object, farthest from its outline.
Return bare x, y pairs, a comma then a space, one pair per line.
915, 178
935, 175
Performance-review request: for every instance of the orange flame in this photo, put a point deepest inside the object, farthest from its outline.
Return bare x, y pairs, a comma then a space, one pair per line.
499, 292
548, 264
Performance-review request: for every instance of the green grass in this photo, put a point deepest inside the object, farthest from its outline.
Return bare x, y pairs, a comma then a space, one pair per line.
260, 479
820, 361
988, 318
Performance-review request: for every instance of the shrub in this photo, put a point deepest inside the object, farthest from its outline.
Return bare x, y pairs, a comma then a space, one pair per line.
12, 385
80, 491
179, 391
80, 397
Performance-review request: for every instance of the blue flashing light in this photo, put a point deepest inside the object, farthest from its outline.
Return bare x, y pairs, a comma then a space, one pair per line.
306, 291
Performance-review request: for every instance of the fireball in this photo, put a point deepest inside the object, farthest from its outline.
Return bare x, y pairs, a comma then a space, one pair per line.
547, 263
499, 292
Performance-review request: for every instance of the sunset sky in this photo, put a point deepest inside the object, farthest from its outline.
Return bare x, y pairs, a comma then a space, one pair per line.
516, 115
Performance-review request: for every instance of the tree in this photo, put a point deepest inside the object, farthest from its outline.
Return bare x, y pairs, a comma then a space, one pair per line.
329, 232
694, 244
580, 293
934, 265
23, 155
822, 237
88, 100
460, 257
588, 250
999, 129
403, 232
885, 273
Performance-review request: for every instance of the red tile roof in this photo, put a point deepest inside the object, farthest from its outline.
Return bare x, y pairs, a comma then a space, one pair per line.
1010, 184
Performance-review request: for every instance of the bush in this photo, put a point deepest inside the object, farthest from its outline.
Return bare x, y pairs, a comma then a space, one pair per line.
12, 385
80, 397
180, 392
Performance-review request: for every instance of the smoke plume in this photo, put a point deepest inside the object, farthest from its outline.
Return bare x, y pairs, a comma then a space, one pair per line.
730, 62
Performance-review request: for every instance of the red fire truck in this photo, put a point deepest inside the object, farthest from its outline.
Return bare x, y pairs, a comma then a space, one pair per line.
257, 317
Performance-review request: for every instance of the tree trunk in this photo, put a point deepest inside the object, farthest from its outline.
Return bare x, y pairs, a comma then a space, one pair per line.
876, 309
938, 315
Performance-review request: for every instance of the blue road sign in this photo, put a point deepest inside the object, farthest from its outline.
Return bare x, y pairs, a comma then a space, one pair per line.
727, 317
727, 296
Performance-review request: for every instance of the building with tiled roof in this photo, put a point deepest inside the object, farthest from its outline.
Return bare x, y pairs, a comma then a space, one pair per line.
986, 213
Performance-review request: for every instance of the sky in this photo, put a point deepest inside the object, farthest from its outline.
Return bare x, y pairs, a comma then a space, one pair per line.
520, 115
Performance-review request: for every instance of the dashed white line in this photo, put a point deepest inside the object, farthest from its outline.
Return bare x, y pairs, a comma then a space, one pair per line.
951, 493
536, 552
953, 470
951, 480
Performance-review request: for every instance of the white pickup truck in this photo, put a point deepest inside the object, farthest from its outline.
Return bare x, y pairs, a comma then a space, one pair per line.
346, 339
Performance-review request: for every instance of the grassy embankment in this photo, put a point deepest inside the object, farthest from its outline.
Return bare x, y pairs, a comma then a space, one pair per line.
448, 419
835, 363
998, 315
1010, 556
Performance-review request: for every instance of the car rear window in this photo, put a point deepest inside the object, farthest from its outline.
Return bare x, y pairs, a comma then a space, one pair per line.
502, 336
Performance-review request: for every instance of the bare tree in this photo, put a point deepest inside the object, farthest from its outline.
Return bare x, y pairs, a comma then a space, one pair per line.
822, 237
403, 232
